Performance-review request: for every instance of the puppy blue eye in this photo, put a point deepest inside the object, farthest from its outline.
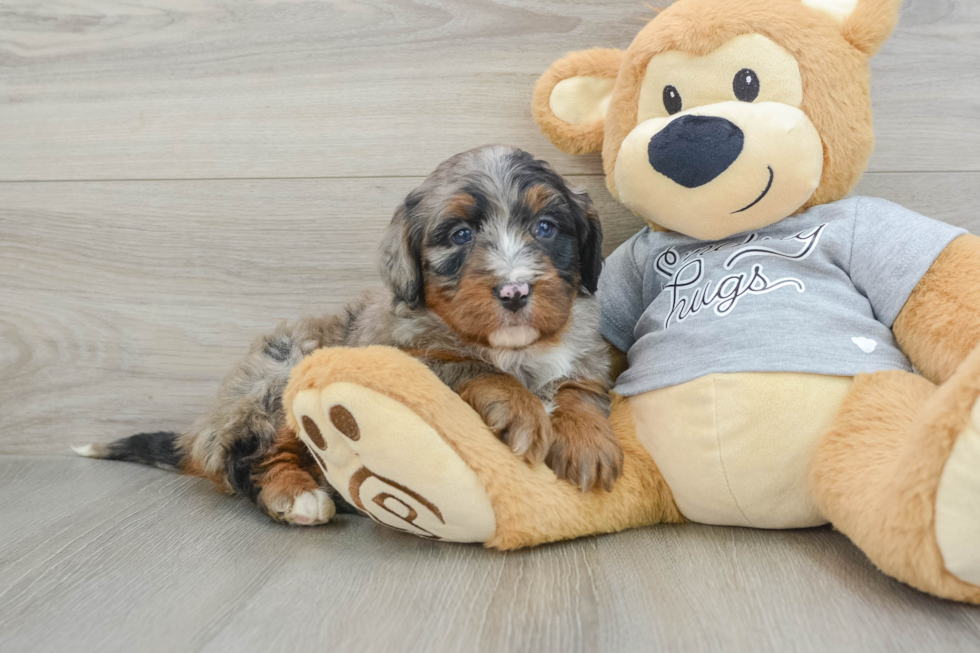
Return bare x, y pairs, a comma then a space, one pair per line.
462, 236
545, 229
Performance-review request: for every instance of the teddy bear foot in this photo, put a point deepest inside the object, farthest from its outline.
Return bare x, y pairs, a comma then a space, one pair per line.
958, 504
391, 464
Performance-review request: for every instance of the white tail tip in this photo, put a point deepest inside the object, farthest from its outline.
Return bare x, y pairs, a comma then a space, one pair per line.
87, 450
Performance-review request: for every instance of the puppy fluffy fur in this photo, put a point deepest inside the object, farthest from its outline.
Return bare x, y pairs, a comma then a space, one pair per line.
490, 269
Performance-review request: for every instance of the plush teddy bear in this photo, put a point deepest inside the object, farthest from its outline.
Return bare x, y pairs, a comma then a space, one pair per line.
771, 326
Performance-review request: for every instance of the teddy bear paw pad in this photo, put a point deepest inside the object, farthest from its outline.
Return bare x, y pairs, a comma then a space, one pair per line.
958, 504
392, 465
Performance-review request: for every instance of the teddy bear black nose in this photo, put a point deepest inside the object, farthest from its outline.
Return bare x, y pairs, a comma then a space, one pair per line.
693, 150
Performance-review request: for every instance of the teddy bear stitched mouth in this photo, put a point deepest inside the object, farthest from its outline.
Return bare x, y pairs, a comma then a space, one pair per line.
772, 175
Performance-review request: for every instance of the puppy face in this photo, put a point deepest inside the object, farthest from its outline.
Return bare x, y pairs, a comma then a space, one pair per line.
497, 245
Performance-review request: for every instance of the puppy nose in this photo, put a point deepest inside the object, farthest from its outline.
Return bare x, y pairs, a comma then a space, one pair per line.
693, 150
513, 295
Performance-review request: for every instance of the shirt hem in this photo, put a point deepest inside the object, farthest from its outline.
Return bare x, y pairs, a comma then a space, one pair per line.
656, 380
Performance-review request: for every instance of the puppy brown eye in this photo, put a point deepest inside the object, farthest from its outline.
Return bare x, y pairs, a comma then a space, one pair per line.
746, 85
672, 100
461, 236
545, 229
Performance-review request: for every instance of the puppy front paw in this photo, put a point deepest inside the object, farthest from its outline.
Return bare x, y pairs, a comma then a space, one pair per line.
304, 509
513, 412
288, 493
585, 451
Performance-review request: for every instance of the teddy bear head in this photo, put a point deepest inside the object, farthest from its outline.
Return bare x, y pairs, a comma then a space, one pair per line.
724, 116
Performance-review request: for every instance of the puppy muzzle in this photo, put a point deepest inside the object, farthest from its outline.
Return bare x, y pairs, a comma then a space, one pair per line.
513, 296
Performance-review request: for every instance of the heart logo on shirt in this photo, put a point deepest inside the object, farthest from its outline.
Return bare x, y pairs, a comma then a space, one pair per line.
867, 345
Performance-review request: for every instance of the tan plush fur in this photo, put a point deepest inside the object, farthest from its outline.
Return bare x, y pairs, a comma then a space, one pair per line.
530, 504
940, 323
871, 24
833, 62
876, 472
573, 139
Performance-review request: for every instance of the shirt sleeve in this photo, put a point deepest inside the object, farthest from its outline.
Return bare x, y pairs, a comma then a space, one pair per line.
891, 250
621, 295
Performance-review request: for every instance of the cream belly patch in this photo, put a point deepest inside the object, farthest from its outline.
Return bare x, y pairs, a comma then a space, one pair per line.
736, 449
958, 505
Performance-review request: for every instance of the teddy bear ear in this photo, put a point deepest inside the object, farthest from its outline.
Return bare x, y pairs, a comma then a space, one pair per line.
571, 98
866, 24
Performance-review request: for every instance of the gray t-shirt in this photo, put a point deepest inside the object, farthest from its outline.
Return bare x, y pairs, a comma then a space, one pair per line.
813, 293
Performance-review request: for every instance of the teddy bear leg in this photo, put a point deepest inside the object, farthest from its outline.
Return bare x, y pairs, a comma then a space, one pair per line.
407, 451
899, 473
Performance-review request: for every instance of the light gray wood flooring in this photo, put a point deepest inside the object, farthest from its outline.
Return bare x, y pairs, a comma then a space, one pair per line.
184, 89
176, 176
114, 557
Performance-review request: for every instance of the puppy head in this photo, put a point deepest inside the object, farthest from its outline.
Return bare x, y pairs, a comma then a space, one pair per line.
496, 244
725, 115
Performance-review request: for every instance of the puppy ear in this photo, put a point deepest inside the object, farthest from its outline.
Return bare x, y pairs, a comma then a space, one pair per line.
589, 240
571, 98
866, 24
400, 255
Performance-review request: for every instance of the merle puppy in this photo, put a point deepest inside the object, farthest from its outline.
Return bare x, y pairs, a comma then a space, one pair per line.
490, 269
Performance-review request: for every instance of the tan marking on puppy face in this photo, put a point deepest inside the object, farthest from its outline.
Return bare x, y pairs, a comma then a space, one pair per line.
472, 310
551, 304
460, 205
538, 197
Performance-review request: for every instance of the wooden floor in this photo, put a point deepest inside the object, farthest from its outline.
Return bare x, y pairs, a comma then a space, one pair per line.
108, 556
176, 176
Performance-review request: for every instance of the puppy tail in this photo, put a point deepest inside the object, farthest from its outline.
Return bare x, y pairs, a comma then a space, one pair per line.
159, 449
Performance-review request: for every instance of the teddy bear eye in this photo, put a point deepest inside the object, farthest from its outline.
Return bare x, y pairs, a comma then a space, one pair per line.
672, 100
746, 85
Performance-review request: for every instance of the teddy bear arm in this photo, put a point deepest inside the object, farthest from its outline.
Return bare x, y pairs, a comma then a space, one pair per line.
940, 323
